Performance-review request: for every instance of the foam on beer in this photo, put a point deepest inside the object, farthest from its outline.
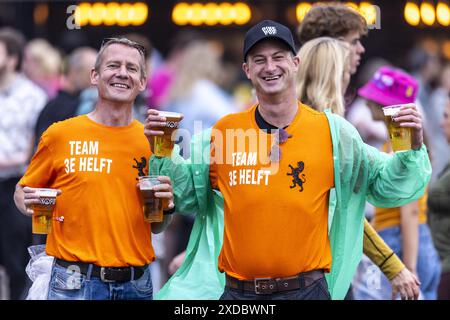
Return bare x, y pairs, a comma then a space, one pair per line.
47, 192
169, 114
391, 110
145, 185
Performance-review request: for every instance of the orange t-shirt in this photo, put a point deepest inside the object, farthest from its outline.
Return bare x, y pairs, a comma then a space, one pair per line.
96, 167
276, 215
391, 217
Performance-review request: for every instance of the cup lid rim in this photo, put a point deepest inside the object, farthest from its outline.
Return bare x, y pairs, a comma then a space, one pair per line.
170, 114
47, 192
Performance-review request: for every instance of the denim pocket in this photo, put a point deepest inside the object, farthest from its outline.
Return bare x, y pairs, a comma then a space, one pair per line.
144, 283
66, 283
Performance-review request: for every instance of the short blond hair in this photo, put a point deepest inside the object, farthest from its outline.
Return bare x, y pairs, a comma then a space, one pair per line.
48, 58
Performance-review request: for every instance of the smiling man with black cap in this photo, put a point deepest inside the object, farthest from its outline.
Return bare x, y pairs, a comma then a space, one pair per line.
286, 196
268, 29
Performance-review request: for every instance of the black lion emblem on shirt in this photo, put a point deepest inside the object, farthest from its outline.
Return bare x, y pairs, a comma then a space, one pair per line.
298, 178
140, 166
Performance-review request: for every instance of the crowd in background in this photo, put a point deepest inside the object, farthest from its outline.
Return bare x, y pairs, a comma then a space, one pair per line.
40, 84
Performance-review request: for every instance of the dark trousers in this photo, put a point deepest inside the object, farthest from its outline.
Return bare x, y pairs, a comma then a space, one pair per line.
318, 290
15, 237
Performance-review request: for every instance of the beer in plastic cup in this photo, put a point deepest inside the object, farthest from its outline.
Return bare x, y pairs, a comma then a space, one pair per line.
163, 145
151, 205
400, 137
43, 212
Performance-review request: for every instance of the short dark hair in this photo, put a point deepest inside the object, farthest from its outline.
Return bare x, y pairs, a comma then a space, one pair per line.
330, 20
126, 42
14, 42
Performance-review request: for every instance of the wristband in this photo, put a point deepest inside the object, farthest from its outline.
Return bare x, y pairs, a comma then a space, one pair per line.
169, 211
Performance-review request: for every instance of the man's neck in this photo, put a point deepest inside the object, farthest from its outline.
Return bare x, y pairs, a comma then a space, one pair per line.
7, 80
278, 111
111, 114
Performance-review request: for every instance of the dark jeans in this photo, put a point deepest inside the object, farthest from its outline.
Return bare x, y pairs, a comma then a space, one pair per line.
318, 290
15, 237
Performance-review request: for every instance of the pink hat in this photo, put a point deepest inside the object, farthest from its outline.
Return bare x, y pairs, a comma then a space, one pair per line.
390, 86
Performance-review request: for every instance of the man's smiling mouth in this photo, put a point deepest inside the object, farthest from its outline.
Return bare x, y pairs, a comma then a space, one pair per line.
120, 85
271, 78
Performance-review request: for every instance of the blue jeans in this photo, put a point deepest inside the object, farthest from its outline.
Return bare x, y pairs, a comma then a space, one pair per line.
68, 285
428, 268
318, 290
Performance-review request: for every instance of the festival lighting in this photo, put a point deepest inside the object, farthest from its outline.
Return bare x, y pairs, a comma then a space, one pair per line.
366, 9
443, 14
111, 13
427, 13
412, 14
211, 14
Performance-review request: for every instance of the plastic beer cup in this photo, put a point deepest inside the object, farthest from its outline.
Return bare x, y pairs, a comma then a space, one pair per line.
163, 145
400, 137
43, 212
151, 205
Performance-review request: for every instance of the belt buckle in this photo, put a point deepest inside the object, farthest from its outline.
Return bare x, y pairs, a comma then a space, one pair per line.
264, 285
102, 275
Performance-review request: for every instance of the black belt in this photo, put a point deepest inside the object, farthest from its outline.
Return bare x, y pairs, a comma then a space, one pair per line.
273, 285
106, 274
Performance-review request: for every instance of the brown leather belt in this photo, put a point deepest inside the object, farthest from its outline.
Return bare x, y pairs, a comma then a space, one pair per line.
273, 285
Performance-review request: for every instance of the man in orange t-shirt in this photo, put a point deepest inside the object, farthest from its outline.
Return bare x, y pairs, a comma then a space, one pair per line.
100, 241
275, 167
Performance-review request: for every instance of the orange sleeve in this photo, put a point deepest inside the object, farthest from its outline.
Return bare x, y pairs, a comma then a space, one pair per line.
40, 172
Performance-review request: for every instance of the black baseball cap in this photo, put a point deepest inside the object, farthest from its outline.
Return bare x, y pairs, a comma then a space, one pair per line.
268, 29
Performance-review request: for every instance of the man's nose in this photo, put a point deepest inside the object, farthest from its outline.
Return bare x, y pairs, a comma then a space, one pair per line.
122, 71
361, 48
270, 65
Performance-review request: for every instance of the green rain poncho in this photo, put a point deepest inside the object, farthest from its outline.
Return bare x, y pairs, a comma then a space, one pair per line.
361, 173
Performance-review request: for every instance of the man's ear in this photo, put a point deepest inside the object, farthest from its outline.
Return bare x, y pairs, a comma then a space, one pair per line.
94, 77
296, 60
246, 70
142, 84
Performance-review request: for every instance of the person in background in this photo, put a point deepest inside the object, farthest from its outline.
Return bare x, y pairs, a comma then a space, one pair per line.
358, 113
435, 115
20, 104
404, 228
439, 214
338, 21
42, 65
425, 67
196, 92
75, 78
162, 78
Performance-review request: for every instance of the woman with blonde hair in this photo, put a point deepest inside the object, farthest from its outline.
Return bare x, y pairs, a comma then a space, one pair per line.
196, 90
324, 74
322, 79
42, 64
